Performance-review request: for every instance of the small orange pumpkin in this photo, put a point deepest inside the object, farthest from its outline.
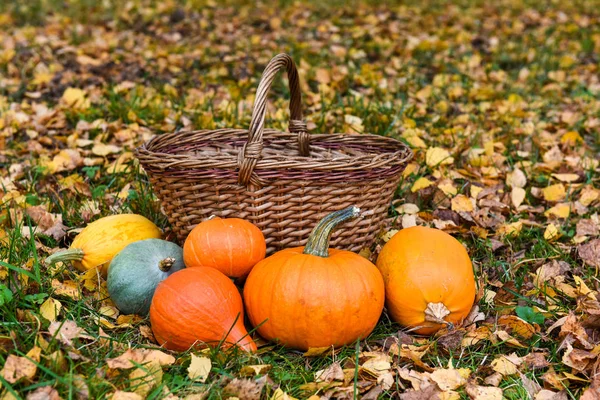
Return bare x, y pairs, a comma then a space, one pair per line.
310, 296
198, 307
429, 280
231, 245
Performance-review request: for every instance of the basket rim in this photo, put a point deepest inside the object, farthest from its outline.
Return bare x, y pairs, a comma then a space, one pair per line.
370, 151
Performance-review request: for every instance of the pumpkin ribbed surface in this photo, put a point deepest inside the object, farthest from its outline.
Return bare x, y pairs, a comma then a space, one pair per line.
426, 270
231, 245
198, 307
311, 301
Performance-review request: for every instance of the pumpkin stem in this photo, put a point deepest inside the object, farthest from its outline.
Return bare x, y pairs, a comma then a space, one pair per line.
318, 241
435, 312
166, 264
65, 255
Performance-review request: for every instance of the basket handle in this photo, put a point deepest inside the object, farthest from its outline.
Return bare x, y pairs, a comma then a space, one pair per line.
253, 148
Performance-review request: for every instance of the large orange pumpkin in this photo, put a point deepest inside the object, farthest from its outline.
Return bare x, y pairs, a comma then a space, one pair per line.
198, 307
231, 245
429, 280
310, 296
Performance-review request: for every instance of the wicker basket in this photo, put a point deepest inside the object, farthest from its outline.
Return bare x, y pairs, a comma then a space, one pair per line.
282, 182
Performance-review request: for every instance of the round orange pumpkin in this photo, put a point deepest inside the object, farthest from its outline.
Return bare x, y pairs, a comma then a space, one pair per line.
198, 307
231, 245
429, 280
310, 296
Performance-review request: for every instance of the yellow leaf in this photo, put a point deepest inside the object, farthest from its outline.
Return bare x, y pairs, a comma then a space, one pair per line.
410, 169
67, 288
50, 309
506, 365
75, 98
475, 190
551, 232
448, 188
561, 210
199, 368
317, 351
437, 156
554, 193
588, 196
517, 196
146, 377
281, 395
462, 203
252, 370
571, 138
420, 183
513, 228
447, 379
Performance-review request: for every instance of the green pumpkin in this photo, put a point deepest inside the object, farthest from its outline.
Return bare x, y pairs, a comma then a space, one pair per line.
136, 270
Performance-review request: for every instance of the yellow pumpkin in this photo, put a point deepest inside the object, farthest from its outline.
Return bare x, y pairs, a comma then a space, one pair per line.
429, 280
97, 244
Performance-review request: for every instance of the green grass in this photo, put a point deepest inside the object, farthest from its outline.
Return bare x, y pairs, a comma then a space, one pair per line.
379, 87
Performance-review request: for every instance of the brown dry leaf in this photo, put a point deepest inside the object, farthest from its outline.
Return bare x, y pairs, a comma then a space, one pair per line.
245, 388
332, 373
67, 288
146, 377
590, 253
47, 223
587, 227
67, 331
199, 368
572, 331
592, 392
535, 360
477, 392
429, 392
545, 394
531, 386
147, 333
578, 359
139, 356
44, 393
568, 178
417, 379
17, 368
516, 179
102, 150
50, 309
494, 379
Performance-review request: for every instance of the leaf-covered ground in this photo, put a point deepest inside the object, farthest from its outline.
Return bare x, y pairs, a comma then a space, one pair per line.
500, 102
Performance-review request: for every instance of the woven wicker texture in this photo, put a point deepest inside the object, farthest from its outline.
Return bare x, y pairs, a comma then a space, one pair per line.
283, 182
